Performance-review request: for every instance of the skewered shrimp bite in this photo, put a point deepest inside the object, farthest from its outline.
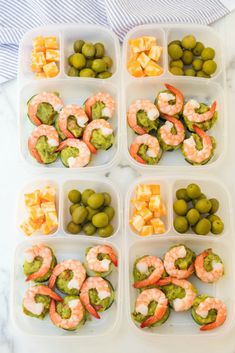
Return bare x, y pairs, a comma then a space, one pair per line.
209, 267
147, 271
98, 135
100, 106
170, 101
199, 114
179, 262
146, 149
74, 153
172, 134
100, 260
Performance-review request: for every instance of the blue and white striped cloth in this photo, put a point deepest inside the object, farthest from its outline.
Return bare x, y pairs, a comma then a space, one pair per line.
18, 16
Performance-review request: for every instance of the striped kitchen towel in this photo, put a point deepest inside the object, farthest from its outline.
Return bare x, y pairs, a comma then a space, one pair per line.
18, 16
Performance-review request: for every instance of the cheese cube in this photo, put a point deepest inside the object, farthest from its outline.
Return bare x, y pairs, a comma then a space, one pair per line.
38, 44
29, 227
137, 222
48, 207
36, 214
155, 52
133, 55
139, 205
155, 202
32, 199
143, 59
158, 225
51, 69
149, 41
48, 194
51, 42
38, 60
153, 69
137, 44
52, 55
146, 214
155, 188
143, 192
134, 68
146, 230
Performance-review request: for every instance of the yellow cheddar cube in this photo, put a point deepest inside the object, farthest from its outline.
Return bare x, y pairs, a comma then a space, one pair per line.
38, 60
38, 44
48, 206
46, 229
149, 41
158, 225
36, 214
146, 214
146, 230
40, 75
32, 199
143, 192
48, 194
154, 203
137, 44
137, 222
143, 59
153, 69
133, 55
52, 55
51, 42
51, 69
139, 205
155, 188
155, 52
29, 227
134, 68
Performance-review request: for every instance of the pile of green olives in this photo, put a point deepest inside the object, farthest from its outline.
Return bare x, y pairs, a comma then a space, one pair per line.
192, 208
191, 58
91, 212
89, 60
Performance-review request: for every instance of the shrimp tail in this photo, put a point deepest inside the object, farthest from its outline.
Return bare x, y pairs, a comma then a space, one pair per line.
51, 282
170, 118
152, 319
164, 281
92, 311
34, 153
91, 147
32, 277
175, 91
208, 327
139, 130
199, 131
55, 296
213, 107
62, 145
133, 152
145, 283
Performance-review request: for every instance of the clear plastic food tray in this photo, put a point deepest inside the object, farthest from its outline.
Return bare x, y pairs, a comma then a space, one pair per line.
202, 89
71, 89
137, 246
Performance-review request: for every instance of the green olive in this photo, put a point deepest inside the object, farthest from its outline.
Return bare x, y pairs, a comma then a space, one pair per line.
217, 226
190, 72
99, 65
86, 194
187, 57
177, 63
209, 67
181, 224
178, 42
72, 207
96, 200
214, 205
189, 42
99, 50
202, 74
109, 210
202, 196
213, 217
79, 215
197, 64
100, 220
73, 72
77, 45
87, 73
207, 54
107, 198
180, 207
89, 63
203, 206
203, 227
88, 50
78, 61
193, 191
74, 196
198, 49
181, 194
175, 51
108, 61
73, 228
105, 232
193, 216
91, 212
176, 71
89, 228
104, 74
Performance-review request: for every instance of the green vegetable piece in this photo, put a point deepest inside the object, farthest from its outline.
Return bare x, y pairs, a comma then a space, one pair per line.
79, 215
203, 206
197, 64
190, 72
87, 73
207, 54
73, 228
193, 216
181, 224
89, 228
189, 42
88, 50
86, 194
217, 226
100, 220
187, 57
74, 196
176, 71
104, 75
180, 207
177, 63
99, 50
181, 194
99, 65
73, 72
193, 191
209, 67
78, 61
203, 227
109, 210
77, 46
198, 49
214, 205
175, 51
108, 61
105, 232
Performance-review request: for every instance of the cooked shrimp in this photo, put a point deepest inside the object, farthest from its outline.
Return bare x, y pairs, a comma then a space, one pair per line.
101, 124
71, 110
29, 302
103, 291
154, 149
45, 253
167, 136
42, 130
185, 303
171, 256
190, 112
106, 99
192, 154
164, 98
209, 304
77, 315
79, 274
141, 105
208, 276
100, 265
143, 265
44, 97
84, 153
143, 301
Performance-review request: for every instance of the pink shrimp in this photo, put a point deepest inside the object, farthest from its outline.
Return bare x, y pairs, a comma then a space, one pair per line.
165, 131
84, 153
191, 115
171, 256
209, 304
145, 105
42, 130
106, 99
192, 154
97, 124
79, 273
72, 110
164, 98
154, 149
100, 265
208, 276
44, 97
45, 253
142, 266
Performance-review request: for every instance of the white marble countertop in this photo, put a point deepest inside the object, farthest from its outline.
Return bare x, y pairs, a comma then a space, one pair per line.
14, 174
